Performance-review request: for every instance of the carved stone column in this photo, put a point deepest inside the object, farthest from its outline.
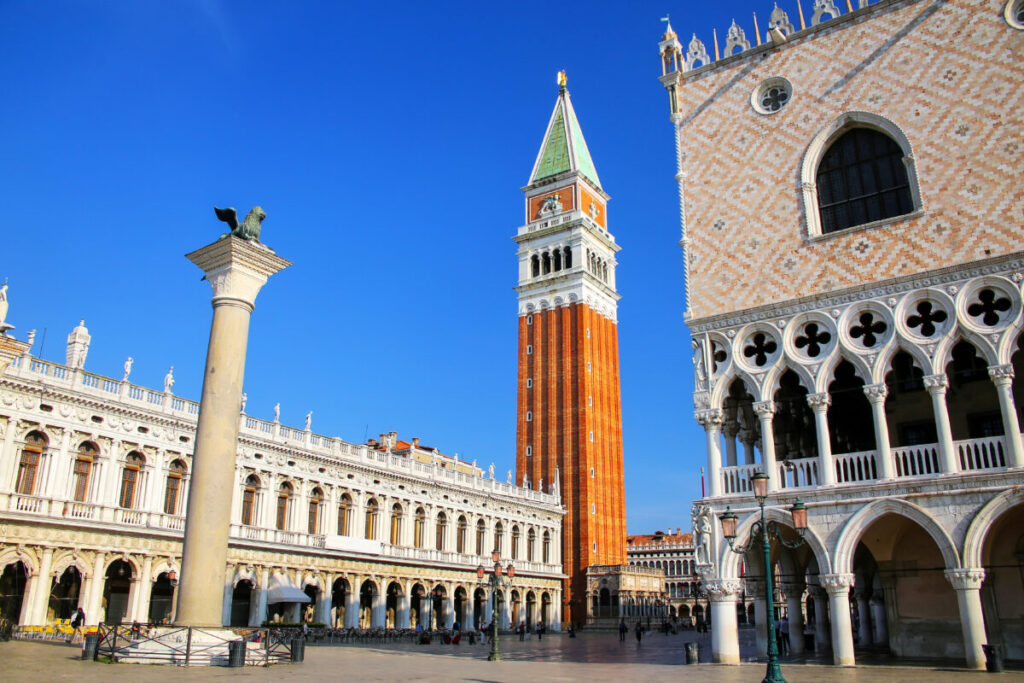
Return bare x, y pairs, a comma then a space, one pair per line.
838, 588
236, 269
748, 439
878, 621
822, 632
876, 394
1002, 377
730, 429
765, 412
819, 403
937, 386
756, 591
967, 584
863, 619
39, 599
725, 644
711, 420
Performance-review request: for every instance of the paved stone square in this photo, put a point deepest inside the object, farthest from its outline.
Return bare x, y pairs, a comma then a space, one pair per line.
591, 657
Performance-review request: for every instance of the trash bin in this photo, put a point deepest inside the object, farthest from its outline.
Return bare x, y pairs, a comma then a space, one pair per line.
993, 658
236, 653
91, 646
693, 652
298, 650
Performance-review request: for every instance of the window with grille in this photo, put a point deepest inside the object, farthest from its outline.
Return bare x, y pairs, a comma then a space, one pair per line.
862, 179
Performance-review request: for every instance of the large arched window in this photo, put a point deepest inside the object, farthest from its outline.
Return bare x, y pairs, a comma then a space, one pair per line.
283, 498
499, 537
87, 454
547, 547
371, 519
130, 477
481, 532
344, 514
172, 492
442, 526
531, 540
514, 554
316, 499
252, 486
857, 171
417, 532
396, 524
861, 179
460, 538
28, 466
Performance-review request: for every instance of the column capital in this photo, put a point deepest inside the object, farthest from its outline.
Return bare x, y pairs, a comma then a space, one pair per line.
936, 383
820, 402
876, 393
837, 584
237, 268
965, 579
764, 409
711, 417
816, 591
1001, 374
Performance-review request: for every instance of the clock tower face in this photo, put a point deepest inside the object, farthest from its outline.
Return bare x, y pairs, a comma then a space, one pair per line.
569, 416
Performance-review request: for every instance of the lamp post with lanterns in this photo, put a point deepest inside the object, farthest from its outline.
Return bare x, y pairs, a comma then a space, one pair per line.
766, 530
497, 581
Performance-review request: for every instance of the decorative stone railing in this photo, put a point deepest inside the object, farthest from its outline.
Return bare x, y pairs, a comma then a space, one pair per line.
863, 467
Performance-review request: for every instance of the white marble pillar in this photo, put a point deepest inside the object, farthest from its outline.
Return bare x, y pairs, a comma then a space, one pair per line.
323, 607
819, 403
756, 590
937, 386
352, 602
725, 644
99, 577
711, 420
1002, 376
748, 440
876, 394
258, 606
838, 588
730, 430
448, 610
236, 270
402, 611
967, 584
795, 612
878, 621
145, 590
39, 599
489, 608
822, 637
765, 412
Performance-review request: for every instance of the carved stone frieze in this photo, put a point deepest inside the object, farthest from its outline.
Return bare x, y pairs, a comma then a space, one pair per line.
965, 579
837, 583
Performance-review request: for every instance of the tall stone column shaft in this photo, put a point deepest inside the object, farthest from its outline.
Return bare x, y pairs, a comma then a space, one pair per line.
937, 386
765, 413
1002, 375
236, 269
819, 403
838, 587
967, 584
876, 394
725, 644
711, 420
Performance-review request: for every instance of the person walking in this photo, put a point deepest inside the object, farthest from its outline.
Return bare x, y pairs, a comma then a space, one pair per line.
540, 629
639, 630
784, 635
77, 623
623, 629
522, 630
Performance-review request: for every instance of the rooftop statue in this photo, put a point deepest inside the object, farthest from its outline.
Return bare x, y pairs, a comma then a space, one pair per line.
249, 229
3, 309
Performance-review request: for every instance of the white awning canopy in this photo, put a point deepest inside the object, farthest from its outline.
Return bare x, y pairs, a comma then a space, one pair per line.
283, 593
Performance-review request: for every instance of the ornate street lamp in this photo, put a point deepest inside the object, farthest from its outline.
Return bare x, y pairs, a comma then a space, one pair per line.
497, 581
766, 530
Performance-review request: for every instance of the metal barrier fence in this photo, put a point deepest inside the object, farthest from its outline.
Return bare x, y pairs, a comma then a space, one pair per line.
191, 646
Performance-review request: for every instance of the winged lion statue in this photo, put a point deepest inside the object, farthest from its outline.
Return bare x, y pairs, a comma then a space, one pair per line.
248, 229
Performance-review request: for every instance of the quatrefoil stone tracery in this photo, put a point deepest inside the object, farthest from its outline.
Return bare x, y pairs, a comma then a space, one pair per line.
760, 347
927, 318
988, 307
813, 339
868, 329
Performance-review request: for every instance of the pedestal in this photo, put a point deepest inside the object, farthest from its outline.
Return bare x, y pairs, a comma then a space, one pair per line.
236, 269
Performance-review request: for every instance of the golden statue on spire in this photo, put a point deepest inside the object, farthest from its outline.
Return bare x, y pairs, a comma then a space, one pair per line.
562, 80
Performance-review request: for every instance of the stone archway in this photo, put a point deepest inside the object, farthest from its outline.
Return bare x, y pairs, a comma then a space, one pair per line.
65, 594
161, 600
117, 591
339, 595
241, 603
13, 582
1002, 558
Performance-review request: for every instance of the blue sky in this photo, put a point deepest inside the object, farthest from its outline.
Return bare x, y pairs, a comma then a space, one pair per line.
387, 143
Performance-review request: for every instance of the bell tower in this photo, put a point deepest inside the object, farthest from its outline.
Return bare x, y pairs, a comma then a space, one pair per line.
569, 423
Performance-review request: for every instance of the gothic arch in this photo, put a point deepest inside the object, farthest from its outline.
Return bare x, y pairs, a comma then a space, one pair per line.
827, 374
729, 561
883, 366
720, 389
1008, 343
773, 377
867, 515
983, 521
944, 350
24, 555
821, 143
63, 560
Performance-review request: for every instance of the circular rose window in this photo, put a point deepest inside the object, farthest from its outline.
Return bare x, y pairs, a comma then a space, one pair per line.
771, 95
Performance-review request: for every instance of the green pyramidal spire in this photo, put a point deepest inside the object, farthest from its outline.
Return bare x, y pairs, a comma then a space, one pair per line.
564, 148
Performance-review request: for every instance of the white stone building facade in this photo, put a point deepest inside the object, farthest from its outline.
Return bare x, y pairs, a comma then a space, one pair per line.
94, 478
851, 238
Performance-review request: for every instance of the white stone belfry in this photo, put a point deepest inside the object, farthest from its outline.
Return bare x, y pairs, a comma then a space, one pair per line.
236, 269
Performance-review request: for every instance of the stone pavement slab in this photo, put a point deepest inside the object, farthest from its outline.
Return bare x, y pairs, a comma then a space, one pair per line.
555, 659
